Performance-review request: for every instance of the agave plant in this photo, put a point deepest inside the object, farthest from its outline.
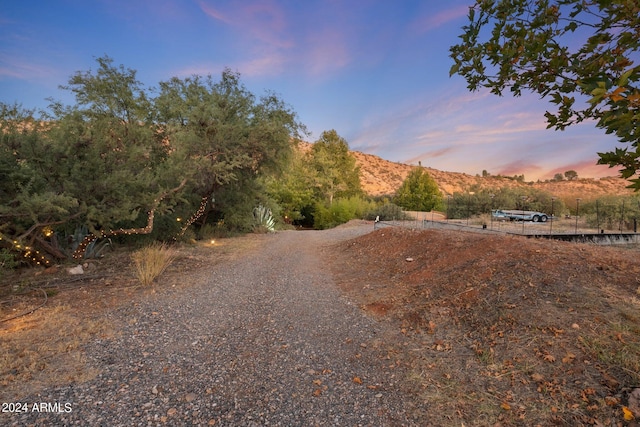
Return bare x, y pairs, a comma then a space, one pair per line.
264, 218
68, 243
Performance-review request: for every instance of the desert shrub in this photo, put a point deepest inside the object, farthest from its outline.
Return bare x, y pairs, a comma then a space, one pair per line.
323, 217
610, 212
151, 261
386, 212
340, 211
7, 261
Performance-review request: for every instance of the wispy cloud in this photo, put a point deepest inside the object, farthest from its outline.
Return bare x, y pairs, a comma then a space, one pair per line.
327, 52
260, 23
442, 152
19, 68
431, 21
272, 42
214, 13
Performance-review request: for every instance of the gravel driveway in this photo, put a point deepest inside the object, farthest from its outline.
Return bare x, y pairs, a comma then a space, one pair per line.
265, 339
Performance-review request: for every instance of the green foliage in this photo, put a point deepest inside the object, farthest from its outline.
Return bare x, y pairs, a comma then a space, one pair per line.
105, 147
7, 261
312, 182
28, 201
292, 189
616, 213
482, 201
340, 211
219, 131
118, 155
335, 173
264, 219
419, 192
569, 51
67, 243
386, 211
571, 175
233, 210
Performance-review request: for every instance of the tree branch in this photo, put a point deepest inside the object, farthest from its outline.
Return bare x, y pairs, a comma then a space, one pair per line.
79, 252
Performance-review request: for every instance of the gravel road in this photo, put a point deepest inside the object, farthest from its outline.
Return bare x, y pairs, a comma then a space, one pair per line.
265, 339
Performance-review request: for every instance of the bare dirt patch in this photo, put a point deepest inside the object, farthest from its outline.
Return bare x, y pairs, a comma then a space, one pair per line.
504, 330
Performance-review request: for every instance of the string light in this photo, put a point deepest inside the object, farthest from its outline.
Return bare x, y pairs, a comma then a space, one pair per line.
28, 252
201, 210
89, 238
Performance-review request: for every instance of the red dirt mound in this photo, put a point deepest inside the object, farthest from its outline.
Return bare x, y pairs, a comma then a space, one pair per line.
505, 329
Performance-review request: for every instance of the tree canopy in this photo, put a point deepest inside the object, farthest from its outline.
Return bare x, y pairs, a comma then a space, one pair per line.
336, 170
117, 158
578, 54
419, 192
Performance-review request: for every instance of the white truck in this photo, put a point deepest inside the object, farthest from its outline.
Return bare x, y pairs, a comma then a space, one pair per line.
518, 215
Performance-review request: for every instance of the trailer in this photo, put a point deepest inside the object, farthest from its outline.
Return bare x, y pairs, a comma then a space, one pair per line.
519, 215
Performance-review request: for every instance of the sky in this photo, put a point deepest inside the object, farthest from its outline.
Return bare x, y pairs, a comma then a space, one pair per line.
376, 71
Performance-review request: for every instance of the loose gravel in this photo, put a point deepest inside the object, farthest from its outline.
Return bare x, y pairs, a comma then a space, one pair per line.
265, 339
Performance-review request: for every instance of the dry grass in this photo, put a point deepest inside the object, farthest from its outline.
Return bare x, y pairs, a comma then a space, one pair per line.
45, 348
151, 261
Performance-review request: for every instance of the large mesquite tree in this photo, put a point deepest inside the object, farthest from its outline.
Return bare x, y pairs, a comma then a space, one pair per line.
582, 55
116, 157
92, 164
222, 134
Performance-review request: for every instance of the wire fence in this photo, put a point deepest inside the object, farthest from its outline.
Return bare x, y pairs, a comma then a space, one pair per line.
567, 231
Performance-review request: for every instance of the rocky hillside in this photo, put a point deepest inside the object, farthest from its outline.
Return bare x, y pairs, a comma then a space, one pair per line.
382, 177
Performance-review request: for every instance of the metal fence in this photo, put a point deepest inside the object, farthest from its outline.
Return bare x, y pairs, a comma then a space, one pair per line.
532, 230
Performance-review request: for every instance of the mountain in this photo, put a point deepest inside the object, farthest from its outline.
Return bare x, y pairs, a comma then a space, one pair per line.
381, 177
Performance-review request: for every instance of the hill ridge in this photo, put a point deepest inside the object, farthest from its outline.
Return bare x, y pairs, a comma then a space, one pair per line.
380, 177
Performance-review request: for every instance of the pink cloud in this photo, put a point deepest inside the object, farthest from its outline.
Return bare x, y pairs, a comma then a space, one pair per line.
214, 13
432, 155
586, 168
430, 22
262, 21
268, 45
327, 52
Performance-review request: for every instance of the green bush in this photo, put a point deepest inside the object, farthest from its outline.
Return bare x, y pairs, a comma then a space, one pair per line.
7, 261
386, 212
340, 211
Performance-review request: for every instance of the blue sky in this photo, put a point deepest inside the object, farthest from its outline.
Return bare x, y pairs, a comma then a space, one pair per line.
376, 71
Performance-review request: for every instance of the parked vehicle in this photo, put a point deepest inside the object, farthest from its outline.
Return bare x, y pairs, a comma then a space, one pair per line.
518, 215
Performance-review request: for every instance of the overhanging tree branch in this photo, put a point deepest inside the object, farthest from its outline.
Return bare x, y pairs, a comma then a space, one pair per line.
79, 252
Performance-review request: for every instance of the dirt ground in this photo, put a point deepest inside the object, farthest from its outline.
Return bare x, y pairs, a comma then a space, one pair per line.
47, 315
502, 330
506, 330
